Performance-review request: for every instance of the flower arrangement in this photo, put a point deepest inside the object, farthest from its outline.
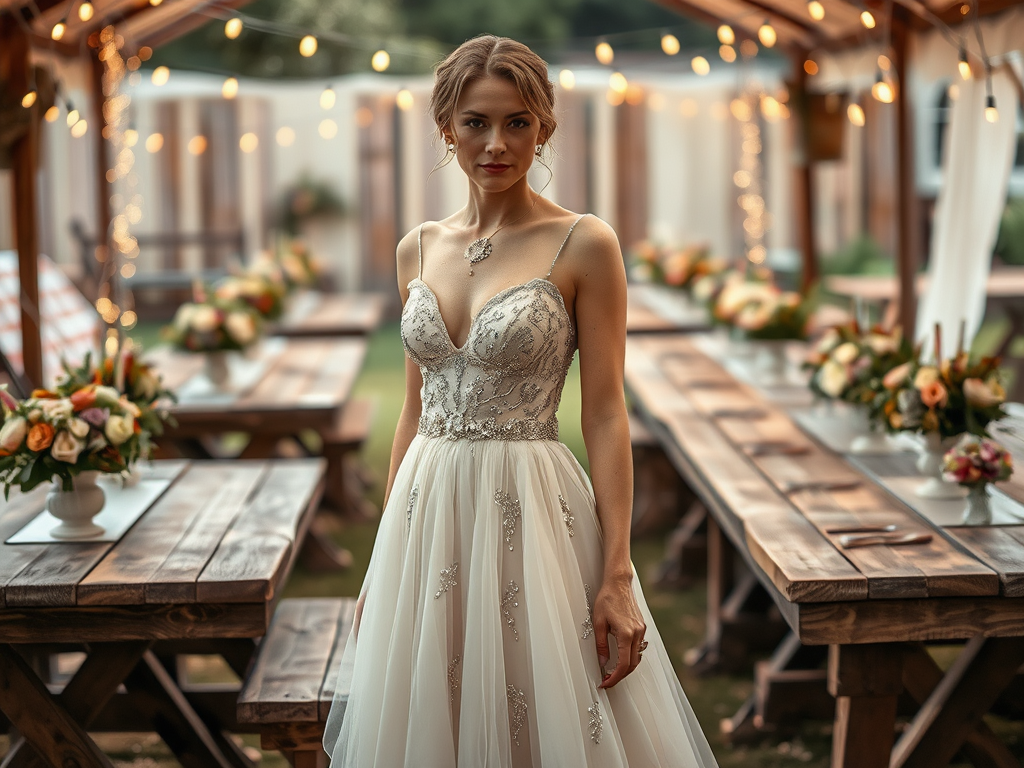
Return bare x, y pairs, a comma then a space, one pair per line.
50, 436
677, 268
213, 324
948, 399
759, 309
848, 363
300, 267
264, 294
975, 461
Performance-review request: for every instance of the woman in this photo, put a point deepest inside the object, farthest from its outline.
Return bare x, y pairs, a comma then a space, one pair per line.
500, 622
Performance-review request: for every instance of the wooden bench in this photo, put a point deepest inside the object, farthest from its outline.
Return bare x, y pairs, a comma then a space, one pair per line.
291, 685
346, 479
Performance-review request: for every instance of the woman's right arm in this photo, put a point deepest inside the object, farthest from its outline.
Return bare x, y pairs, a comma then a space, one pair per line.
408, 422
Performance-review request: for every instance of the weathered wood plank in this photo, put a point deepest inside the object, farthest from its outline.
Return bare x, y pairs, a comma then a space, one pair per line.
284, 684
52, 578
1002, 549
14, 515
341, 635
252, 558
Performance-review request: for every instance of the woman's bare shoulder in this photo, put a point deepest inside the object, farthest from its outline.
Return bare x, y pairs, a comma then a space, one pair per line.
593, 243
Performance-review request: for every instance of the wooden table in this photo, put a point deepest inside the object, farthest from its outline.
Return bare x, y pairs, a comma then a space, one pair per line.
198, 573
316, 314
302, 385
774, 493
659, 309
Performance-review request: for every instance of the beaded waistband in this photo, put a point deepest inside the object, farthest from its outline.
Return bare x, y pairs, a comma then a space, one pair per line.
457, 428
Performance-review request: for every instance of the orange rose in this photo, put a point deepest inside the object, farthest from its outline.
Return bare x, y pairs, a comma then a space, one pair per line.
40, 436
934, 395
43, 394
82, 399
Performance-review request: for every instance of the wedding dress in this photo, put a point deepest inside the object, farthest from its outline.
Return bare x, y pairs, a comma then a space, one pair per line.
476, 646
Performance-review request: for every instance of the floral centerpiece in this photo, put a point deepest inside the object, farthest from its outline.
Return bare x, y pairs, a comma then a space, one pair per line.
261, 291
974, 462
848, 363
675, 267
300, 267
213, 325
761, 310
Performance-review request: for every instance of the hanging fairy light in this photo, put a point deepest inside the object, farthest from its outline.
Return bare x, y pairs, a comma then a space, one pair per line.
727, 53
78, 129
964, 66
604, 53
811, 67
991, 113
700, 65
617, 82
882, 90
29, 98
59, 29
867, 19
766, 34
161, 75
855, 113
327, 98
380, 60
52, 114
285, 136
73, 115
815, 10
748, 49
404, 100
233, 28
85, 11
567, 79
307, 46
230, 88
248, 142
726, 36
670, 44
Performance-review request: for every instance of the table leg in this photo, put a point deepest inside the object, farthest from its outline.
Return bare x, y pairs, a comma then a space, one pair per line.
952, 711
866, 682
40, 719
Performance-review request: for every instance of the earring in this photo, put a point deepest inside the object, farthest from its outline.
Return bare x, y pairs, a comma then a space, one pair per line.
538, 149
451, 147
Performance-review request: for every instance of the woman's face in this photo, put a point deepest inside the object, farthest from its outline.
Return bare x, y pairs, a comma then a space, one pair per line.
495, 133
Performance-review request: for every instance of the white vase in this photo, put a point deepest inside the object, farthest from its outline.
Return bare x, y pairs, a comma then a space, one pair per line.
979, 506
871, 438
929, 463
216, 367
76, 508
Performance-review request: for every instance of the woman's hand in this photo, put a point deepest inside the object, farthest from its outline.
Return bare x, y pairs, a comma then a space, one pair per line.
616, 613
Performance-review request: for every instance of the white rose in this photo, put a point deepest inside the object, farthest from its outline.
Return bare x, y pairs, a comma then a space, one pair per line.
846, 353
241, 327
119, 429
66, 447
35, 415
881, 344
78, 427
147, 384
183, 317
204, 318
828, 341
56, 409
13, 432
832, 378
107, 397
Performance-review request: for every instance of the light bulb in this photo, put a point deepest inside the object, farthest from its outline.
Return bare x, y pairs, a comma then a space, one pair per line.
816, 10
233, 28
58, 30
882, 91
725, 35
248, 142
670, 44
161, 75
604, 53
327, 98
856, 114
567, 79
380, 61
617, 82
727, 52
85, 11
285, 136
964, 66
867, 19
52, 114
766, 34
811, 67
404, 100
29, 99
307, 46
78, 129
230, 88
700, 65
73, 116
991, 113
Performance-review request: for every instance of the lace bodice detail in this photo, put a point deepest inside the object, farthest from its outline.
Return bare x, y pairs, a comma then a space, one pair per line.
506, 381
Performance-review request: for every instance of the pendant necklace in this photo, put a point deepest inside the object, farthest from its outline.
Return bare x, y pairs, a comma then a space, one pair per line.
481, 248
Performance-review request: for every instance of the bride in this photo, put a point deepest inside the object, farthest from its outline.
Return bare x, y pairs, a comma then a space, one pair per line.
500, 622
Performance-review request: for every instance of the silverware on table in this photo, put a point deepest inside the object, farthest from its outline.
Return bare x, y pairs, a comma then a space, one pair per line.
775, 448
796, 486
739, 413
884, 539
864, 529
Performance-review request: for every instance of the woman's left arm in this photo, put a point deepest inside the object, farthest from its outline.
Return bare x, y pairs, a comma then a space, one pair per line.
601, 334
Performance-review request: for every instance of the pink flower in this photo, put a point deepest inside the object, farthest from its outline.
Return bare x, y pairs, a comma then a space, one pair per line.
896, 376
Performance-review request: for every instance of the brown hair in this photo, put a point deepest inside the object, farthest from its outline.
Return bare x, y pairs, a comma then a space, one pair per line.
500, 56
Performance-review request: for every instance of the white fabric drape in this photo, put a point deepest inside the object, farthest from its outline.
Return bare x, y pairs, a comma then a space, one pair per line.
977, 159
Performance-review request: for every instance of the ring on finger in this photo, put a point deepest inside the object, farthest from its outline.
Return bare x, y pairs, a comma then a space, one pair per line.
643, 646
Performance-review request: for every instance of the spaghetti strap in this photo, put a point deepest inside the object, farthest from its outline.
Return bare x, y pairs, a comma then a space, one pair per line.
566, 240
419, 245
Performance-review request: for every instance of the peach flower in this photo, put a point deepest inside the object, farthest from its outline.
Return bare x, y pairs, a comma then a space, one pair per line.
40, 436
934, 395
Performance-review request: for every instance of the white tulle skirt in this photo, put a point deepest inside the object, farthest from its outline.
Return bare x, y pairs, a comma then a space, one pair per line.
475, 647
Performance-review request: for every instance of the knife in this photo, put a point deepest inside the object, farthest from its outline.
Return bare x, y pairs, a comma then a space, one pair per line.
848, 542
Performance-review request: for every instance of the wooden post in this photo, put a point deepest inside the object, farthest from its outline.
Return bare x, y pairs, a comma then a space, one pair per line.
103, 187
906, 208
14, 69
803, 182
866, 682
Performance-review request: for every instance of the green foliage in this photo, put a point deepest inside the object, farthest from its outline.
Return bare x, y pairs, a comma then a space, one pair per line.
861, 256
1010, 243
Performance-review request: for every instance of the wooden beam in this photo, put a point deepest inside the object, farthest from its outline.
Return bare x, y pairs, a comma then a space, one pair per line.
906, 207
803, 182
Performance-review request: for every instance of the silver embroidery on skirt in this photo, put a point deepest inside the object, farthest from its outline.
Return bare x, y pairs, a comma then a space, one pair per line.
516, 711
510, 512
508, 602
567, 517
596, 722
447, 579
588, 623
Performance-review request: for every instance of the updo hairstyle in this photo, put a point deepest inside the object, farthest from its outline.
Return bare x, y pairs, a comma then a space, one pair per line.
502, 57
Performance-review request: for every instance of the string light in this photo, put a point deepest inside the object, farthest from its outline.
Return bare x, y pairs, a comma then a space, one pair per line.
78, 129
161, 75
248, 142
155, 3
617, 82
59, 29
604, 53
700, 65
811, 67
766, 34
230, 88
85, 11
670, 44
328, 129
726, 36
567, 79
963, 65
52, 114
29, 98
748, 48
855, 113
867, 19
816, 10
73, 115
883, 62
882, 90
307, 46
232, 28
154, 142
404, 100
197, 145
380, 61
727, 52
991, 113
285, 136
327, 98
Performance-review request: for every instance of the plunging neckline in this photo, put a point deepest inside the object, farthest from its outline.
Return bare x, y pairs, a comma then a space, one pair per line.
495, 297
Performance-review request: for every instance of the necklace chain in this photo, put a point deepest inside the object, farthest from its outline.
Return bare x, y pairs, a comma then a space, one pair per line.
481, 248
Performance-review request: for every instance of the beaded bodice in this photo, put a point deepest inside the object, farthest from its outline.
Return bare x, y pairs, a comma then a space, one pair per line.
506, 381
